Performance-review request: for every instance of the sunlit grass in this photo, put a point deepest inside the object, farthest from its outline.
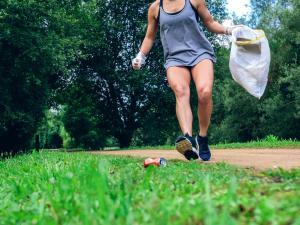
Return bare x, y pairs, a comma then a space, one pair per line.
268, 142
79, 188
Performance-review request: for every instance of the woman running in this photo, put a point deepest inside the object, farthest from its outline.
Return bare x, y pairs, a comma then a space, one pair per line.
187, 53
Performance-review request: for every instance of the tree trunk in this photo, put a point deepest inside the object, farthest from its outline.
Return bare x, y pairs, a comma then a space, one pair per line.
37, 143
125, 139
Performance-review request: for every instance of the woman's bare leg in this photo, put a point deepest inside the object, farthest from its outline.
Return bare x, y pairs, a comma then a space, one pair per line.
203, 76
179, 79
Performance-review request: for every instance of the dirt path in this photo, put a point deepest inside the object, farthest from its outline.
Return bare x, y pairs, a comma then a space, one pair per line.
250, 158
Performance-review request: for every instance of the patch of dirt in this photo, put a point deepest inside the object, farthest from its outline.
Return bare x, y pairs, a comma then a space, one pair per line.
260, 159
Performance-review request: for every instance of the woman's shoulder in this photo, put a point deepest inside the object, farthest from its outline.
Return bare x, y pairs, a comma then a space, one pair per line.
154, 8
197, 3
154, 5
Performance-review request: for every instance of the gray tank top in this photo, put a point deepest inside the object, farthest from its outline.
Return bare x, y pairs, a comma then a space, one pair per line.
183, 40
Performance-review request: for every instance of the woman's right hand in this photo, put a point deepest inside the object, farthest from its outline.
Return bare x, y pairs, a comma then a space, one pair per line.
138, 61
147, 44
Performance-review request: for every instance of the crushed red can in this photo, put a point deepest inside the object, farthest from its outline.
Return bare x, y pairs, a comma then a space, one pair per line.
155, 161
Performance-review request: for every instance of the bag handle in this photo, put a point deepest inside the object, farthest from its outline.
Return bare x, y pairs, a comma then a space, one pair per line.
253, 41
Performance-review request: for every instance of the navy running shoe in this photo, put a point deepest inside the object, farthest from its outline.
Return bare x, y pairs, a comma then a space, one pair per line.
202, 146
186, 145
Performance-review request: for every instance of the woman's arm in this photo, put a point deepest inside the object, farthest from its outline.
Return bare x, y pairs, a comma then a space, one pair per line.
149, 37
208, 20
151, 29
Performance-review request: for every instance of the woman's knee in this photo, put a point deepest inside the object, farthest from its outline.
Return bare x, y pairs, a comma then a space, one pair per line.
204, 95
181, 91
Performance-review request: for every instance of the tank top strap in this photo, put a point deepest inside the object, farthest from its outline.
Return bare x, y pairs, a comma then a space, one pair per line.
195, 10
160, 6
185, 2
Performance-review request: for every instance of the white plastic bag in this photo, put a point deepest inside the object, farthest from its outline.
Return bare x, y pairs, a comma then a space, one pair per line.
250, 59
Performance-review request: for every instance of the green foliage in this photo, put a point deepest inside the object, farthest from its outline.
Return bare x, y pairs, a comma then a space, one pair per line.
60, 188
37, 44
80, 117
75, 57
130, 104
55, 141
238, 116
50, 131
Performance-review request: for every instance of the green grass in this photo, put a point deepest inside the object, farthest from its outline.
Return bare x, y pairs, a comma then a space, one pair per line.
80, 188
270, 141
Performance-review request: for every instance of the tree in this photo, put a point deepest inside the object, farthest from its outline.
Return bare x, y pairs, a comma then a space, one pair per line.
128, 100
80, 116
242, 117
37, 45
282, 104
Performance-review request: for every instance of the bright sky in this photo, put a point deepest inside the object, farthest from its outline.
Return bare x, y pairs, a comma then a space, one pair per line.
238, 6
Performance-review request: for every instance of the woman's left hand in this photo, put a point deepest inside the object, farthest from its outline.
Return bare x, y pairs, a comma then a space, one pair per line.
229, 29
